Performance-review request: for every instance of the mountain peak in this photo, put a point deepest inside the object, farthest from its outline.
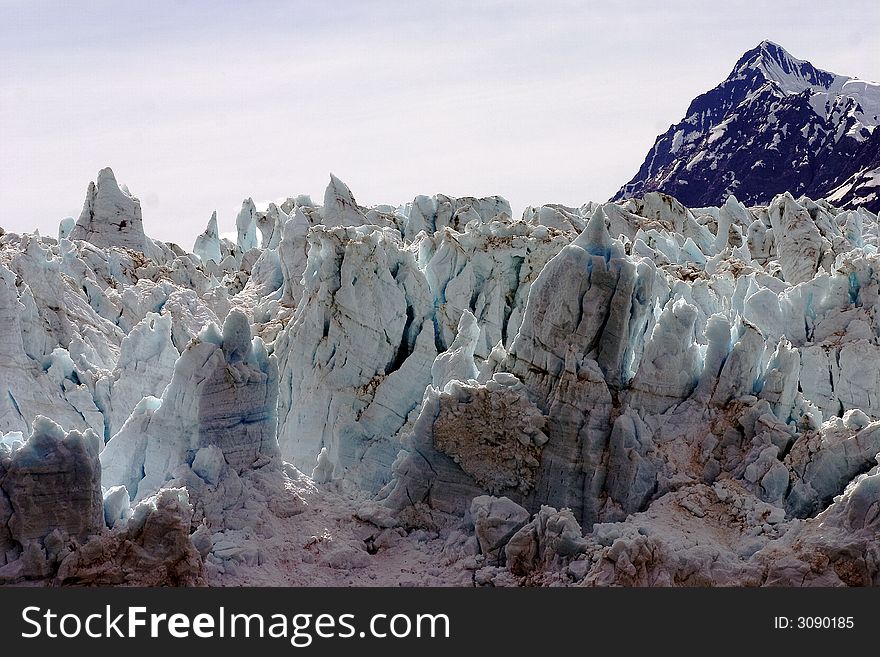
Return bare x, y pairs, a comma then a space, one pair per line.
766, 51
774, 51
775, 64
776, 123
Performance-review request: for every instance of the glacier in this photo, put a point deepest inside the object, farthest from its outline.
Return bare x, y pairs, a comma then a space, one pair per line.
623, 393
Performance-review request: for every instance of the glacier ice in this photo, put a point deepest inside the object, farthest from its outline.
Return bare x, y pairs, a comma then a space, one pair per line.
356, 356
246, 227
496, 520
50, 493
117, 505
146, 361
340, 207
619, 393
110, 216
323, 470
550, 538
222, 394
207, 245
457, 362
470, 438
153, 547
271, 224
65, 227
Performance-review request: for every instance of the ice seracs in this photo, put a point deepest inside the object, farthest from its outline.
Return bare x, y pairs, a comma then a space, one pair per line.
65, 227
496, 520
798, 240
340, 207
487, 269
207, 245
271, 223
457, 362
631, 393
146, 362
52, 482
246, 227
622, 463
293, 251
222, 395
357, 354
671, 364
110, 216
50, 494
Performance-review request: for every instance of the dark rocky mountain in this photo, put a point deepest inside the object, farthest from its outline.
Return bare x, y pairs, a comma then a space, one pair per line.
776, 124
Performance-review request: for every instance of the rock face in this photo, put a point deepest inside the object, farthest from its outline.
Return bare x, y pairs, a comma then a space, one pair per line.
862, 188
776, 124
110, 216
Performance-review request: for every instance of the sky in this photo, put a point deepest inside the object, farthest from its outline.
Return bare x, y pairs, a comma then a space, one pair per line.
198, 105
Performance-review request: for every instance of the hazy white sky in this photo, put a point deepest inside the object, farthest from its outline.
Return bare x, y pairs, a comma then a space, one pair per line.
197, 105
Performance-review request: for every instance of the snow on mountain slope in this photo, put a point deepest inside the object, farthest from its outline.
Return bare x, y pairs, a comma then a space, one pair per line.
631, 393
863, 187
794, 76
775, 124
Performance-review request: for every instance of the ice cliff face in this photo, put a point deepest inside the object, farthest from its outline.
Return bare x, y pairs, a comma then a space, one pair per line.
52, 483
622, 393
222, 395
357, 354
146, 362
